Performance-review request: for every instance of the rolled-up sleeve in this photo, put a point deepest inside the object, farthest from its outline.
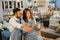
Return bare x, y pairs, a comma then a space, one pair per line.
13, 23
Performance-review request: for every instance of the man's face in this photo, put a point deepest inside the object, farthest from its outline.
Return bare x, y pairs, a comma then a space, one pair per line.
19, 14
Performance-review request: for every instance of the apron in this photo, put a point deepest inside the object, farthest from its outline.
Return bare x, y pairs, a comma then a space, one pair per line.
16, 34
31, 35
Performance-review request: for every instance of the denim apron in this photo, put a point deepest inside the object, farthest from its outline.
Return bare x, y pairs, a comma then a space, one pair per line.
16, 34
31, 35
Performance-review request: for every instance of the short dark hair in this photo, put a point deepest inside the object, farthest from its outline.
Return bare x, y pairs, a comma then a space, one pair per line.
15, 10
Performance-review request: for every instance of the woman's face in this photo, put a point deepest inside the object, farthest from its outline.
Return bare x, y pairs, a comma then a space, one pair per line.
28, 14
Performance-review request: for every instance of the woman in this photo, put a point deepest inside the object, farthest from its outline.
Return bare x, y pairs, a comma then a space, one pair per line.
28, 20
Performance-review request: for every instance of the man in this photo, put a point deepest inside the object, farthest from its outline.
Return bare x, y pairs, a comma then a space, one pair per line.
15, 25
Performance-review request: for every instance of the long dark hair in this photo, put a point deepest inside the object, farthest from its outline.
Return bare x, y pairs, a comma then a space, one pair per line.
24, 14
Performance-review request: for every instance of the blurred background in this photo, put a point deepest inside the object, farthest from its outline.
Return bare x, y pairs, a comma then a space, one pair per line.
46, 13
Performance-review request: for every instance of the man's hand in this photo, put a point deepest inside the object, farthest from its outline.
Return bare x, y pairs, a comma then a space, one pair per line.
26, 28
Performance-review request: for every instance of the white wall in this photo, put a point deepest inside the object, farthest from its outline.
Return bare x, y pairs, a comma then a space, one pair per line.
1, 13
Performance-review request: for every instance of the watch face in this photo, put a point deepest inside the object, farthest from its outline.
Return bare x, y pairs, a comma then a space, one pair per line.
29, 0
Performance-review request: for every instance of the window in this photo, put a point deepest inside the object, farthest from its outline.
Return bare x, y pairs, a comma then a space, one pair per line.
2, 4
14, 4
10, 4
18, 4
21, 4
6, 4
